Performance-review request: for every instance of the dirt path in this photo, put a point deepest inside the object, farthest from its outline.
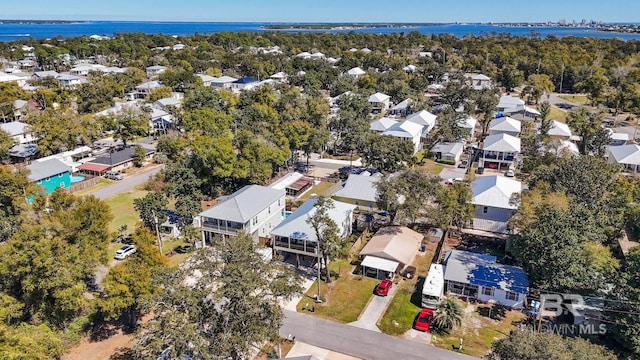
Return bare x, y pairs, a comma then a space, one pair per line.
99, 350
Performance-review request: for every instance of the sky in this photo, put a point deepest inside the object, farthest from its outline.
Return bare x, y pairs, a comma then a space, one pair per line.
440, 11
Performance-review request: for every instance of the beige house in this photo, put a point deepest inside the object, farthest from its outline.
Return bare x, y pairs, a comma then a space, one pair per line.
389, 251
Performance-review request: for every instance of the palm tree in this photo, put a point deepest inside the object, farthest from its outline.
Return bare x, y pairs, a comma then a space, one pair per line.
448, 314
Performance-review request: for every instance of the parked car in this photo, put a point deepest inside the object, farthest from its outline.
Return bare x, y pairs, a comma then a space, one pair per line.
452, 181
423, 320
383, 288
113, 175
125, 251
510, 173
480, 170
463, 164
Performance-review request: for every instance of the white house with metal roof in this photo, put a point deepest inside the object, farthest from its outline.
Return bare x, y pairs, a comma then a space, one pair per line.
254, 209
400, 109
505, 125
558, 130
478, 81
379, 102
223, 82
448, 151
407, 131
356, 72
625, 155
155, 70
294, 235
491, 197
424, 118
19, 131
499, 151
359, 190
381, 125
469, 124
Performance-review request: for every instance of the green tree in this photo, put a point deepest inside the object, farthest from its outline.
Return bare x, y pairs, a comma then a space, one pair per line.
386, 153
408, 193
223, 302
139, 156
529, 345
6, 143
185, 187
127, 124
594, 86
159, 93
448, 315
152, 208
327, 233
588, 126
129, 286
454, 205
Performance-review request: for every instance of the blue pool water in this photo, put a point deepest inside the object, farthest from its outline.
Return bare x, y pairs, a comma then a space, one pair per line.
286, 214
75, 179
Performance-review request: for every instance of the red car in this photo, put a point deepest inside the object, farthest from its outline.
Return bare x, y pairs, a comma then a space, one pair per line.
383, 288
423, 321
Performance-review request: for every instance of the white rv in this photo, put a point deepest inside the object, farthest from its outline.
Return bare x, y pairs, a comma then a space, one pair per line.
433, 287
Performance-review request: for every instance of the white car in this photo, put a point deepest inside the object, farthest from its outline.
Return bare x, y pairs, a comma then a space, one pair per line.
125, 251
452, 181
510, 173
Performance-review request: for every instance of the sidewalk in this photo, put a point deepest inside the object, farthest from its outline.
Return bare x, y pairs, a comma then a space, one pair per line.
301, 349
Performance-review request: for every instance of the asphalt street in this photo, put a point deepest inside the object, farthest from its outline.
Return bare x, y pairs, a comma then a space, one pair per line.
126, 184
361, 343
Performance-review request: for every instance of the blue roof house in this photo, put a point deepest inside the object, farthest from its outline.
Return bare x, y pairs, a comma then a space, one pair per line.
480, 277
50, 174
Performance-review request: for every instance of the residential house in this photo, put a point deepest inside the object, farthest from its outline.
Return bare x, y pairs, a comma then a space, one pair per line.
50, 174
254, 209
492, 199
512, 105
389, 251
72, 158
304, 55
410, 69
618, 138
359, 190
448, 151
379, 102
469, 124
356, 72
558, 130
505, 125
279, 76
295, 184
115, 161
478, 81
499, 151
223, 82
296, 236
479, 276
85, 69
317, 55
246, 83
45, 74
143, 90
366, 50
155, 70
407, 131
19, 131
206, 79
425, 119
381, 125
68, 80
627, 156
165, 103
400, 109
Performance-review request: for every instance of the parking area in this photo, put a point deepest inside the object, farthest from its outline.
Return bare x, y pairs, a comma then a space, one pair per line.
452, 173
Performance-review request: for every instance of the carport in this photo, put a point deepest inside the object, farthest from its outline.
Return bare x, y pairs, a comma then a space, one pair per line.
373, 264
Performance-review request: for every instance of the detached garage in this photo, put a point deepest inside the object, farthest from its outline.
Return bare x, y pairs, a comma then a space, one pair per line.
389, 251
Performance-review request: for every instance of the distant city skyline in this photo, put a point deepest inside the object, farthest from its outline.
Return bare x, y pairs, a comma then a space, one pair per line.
417, 11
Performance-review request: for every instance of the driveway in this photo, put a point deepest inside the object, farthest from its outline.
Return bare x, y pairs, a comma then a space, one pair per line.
361, 343
453, 172
126, 184
374, 310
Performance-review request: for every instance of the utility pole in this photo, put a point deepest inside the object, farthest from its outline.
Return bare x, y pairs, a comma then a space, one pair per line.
318, 263
155, 220
561, 77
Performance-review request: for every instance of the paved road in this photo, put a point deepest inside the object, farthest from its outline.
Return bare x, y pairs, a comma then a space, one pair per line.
129, 182
358, 342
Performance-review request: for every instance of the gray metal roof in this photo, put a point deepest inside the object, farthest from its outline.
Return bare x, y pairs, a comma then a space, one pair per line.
119, 157
482, 270
244, 204
448, 148
359, 187
45, 169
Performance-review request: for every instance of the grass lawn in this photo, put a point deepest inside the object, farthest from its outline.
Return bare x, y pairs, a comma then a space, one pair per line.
556, 114
319, 190
87, 191
478, 330
406, 303
576, 99
345, 298
432, 167
174, 259
123, 211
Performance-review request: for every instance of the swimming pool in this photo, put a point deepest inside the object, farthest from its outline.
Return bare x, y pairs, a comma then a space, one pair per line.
75, 179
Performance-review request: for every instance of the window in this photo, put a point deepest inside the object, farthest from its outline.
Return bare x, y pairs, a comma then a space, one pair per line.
511, 296
485, 209
269, 209
59, 175
487, 291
